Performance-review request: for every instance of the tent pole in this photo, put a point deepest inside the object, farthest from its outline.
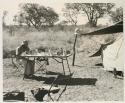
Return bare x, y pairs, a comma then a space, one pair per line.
74, 50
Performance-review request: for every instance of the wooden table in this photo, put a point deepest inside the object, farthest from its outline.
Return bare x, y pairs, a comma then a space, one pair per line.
62, 58
58, 58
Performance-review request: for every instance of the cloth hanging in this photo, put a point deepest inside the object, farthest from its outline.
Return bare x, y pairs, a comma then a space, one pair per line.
29, 67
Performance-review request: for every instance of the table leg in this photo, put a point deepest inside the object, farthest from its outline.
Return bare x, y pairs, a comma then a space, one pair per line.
63, 66
68, 65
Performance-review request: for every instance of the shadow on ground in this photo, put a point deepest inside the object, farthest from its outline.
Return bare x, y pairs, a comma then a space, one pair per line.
63, 80
74, 81
52, 73
99, 64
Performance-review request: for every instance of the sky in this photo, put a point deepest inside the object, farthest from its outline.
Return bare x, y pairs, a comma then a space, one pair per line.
13, 8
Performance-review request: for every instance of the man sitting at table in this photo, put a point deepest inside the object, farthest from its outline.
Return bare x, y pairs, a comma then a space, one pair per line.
28, 64
22, 48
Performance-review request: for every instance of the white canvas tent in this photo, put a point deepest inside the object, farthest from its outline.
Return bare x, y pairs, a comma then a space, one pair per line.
112, 53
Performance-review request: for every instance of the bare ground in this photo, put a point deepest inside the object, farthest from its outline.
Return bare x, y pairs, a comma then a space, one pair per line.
88, 83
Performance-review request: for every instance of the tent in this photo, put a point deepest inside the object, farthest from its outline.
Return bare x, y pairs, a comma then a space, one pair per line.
116, 28
113, 56
112, 53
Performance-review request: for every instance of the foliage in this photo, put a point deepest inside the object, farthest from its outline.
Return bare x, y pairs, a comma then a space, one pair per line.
36, 15
93, 11
3, 18
71, 14
117, 15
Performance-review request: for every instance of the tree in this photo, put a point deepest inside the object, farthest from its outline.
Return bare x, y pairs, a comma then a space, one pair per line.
71, 14
4, 16
62, 24
93, 11
19, 19
117, 15
36, 15
51, 17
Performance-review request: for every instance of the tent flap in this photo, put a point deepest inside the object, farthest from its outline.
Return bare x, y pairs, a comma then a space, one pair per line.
116, 28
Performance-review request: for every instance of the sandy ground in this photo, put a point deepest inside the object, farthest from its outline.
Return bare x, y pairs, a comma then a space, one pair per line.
88, 83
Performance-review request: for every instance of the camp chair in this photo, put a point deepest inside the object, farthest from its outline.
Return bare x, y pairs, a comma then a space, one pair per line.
17, 61
19, 64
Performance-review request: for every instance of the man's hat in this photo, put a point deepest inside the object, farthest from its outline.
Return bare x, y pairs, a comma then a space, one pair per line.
25, 42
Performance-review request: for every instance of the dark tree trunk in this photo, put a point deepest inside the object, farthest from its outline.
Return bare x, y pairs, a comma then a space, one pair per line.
92, 23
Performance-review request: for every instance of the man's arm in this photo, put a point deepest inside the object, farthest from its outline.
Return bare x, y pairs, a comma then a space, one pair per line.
17, 51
